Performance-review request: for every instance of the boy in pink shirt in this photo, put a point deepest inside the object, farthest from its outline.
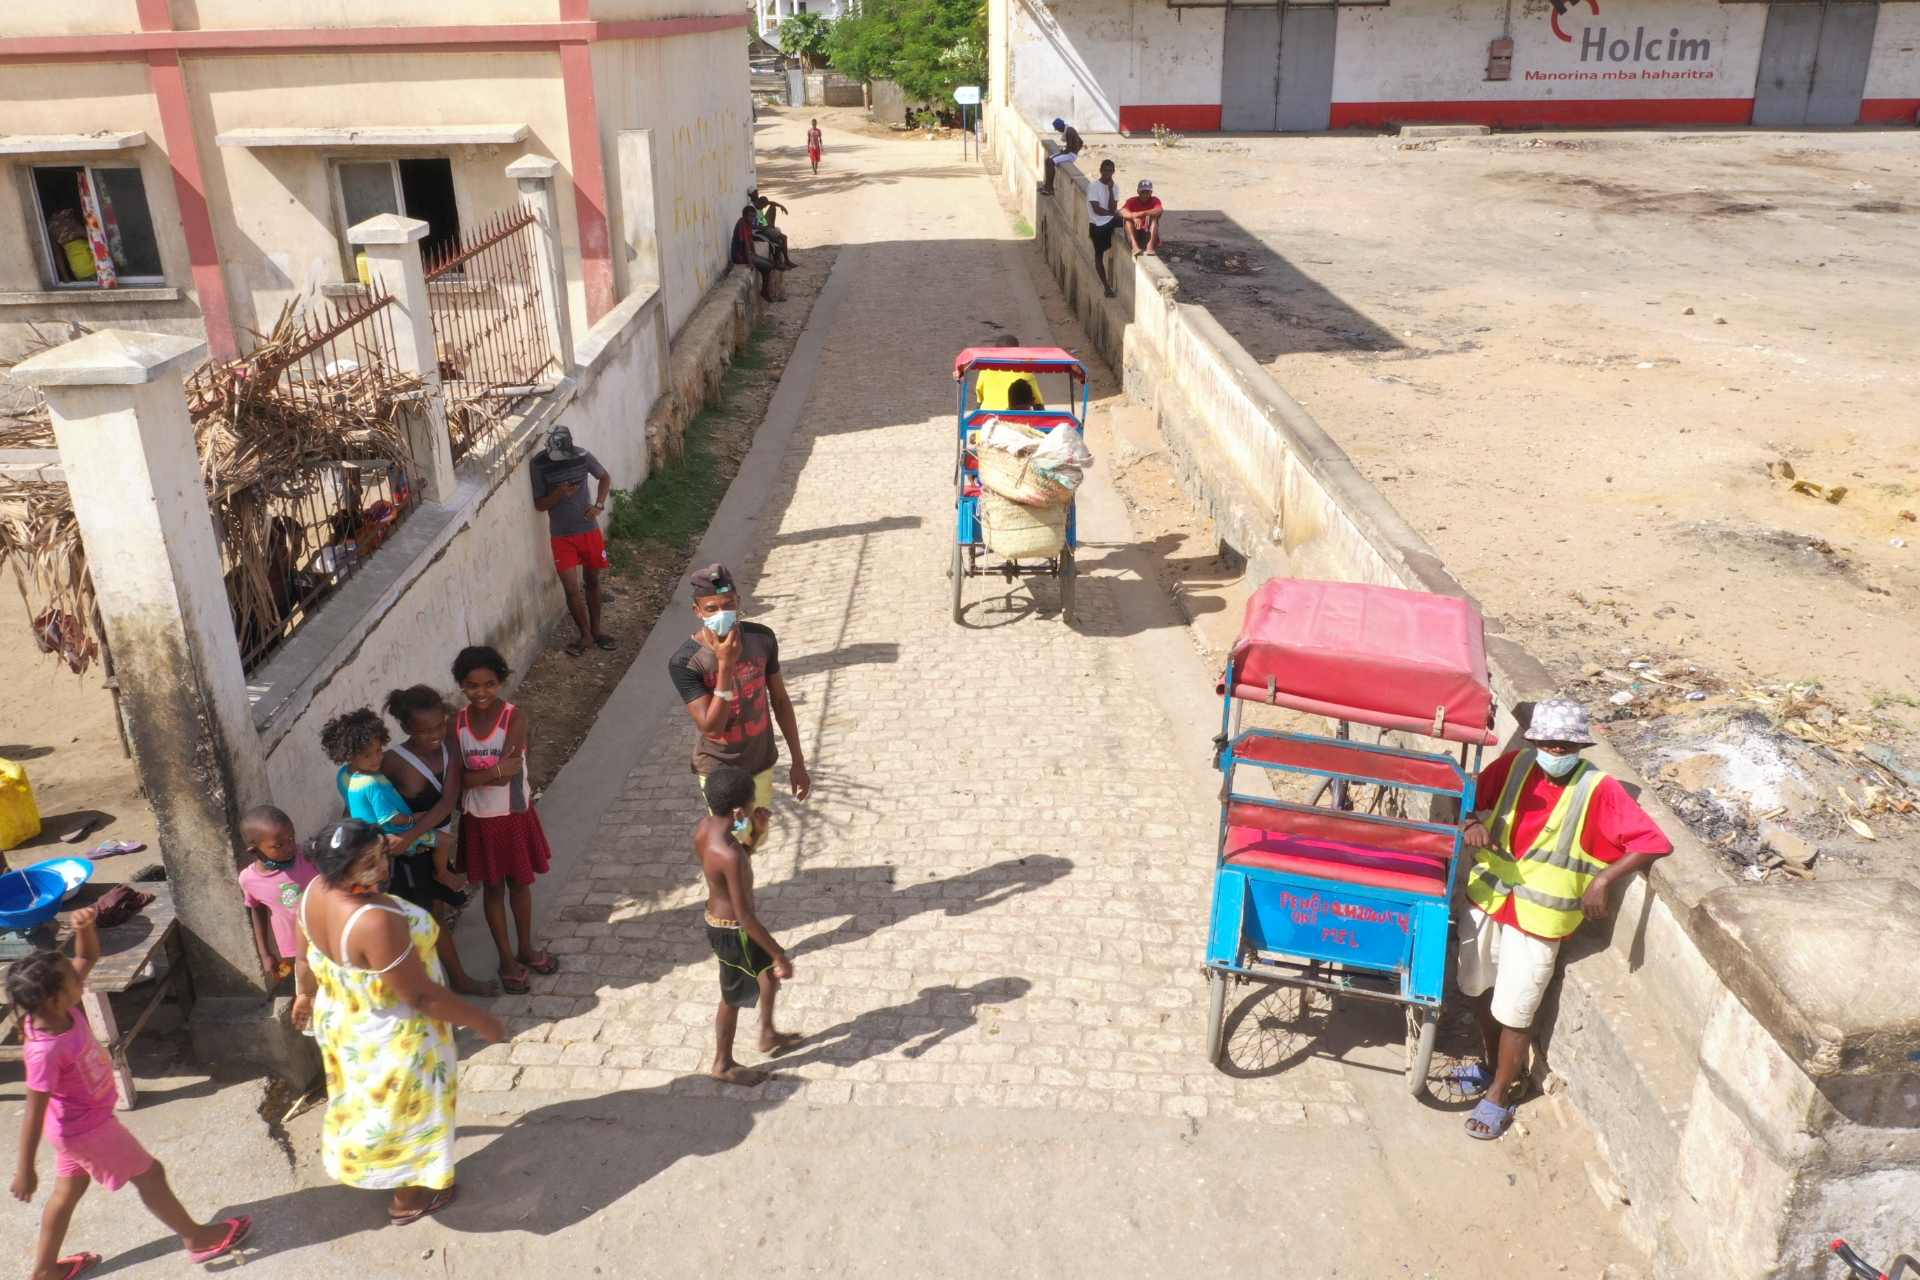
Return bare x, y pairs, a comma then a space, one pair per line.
272, 884
70, 1097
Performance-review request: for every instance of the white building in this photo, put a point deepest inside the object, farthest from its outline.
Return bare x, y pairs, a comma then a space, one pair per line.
773, 12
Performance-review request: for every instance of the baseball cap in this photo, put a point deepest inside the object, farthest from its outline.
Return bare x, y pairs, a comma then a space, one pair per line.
714, 580
1059, 124
1146, 184
1559, 720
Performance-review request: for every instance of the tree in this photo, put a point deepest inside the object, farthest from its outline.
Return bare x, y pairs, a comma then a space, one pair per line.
927, 47
806, 36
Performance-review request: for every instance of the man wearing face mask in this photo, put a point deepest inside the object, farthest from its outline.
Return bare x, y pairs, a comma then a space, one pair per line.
560, 473
1550, 834
728, 675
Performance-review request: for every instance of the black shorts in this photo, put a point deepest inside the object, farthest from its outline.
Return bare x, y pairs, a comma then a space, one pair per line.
1102, 234
741, 964
413, 879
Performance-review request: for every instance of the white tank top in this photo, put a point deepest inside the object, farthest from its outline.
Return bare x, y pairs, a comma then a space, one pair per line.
480, 754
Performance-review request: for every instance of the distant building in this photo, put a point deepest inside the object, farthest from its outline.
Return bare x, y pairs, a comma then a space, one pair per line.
773, 12
222, 166
1197, 65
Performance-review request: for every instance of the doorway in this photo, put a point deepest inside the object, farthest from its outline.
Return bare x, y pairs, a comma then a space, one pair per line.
1813, 63
1277, 68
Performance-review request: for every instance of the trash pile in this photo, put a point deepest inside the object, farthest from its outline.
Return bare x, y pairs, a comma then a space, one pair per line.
1027, 478
1772, 777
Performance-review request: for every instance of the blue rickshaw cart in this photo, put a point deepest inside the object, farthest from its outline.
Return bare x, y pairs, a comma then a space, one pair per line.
1057, 375
1347, 891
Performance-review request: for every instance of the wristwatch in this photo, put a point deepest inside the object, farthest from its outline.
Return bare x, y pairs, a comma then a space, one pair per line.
725, 695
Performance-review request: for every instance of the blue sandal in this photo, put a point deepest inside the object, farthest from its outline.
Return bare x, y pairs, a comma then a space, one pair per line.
1494, 1117
1471, 1080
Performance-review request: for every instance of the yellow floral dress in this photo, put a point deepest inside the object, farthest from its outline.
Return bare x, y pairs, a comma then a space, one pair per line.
391, 1070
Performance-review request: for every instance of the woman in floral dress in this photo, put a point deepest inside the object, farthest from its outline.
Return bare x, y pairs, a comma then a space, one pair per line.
373, 992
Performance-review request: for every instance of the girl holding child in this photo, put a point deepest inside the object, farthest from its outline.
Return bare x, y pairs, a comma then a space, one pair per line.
502, 844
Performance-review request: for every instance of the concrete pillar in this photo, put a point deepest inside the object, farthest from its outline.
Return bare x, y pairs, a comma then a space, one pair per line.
120, 416
392, 246
535, 176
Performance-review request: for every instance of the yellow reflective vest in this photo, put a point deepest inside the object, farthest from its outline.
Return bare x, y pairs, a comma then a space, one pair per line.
1545, 883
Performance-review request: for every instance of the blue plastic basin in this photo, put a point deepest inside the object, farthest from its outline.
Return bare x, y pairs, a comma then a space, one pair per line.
29, 896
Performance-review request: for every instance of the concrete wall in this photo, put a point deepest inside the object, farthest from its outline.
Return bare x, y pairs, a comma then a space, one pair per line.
1893, 76
1104, 65
1670, 1026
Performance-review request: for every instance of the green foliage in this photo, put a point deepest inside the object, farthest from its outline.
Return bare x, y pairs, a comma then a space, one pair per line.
806, 36
927, 47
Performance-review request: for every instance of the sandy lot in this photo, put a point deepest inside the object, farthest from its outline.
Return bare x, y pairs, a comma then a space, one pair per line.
1569, 360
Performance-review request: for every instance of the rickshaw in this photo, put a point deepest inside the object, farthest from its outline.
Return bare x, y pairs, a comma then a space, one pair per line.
1332, 894
1057, 377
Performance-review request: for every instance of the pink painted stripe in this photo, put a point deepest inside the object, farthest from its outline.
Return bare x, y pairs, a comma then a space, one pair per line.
589, 177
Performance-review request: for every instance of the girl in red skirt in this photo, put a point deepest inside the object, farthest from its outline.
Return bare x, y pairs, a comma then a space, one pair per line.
502, 847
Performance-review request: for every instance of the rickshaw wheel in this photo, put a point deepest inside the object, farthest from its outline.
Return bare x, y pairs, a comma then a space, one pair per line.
1423, 1026
1216, 1014
1066, 585
959, 575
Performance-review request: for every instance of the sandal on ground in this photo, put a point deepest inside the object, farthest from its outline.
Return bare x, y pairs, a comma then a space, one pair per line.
515, 987
238, 1229
606, 642
441, 1200
1473, 1080
76, 1264
544, 965
1494, 1117
575, 648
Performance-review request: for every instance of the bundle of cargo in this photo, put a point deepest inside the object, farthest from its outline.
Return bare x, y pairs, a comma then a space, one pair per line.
1027, 478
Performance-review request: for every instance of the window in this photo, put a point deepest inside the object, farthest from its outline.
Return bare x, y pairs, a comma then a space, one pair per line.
96, 229
420, 189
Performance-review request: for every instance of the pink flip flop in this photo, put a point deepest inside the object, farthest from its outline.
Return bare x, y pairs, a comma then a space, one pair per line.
78, 1264
238, 1229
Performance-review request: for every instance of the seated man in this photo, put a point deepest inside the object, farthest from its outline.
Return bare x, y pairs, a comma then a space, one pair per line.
1070, 145
1142, 215
764, 212
990, 386
746, 255
1022, 396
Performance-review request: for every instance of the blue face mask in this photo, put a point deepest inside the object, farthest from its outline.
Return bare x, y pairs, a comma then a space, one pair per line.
741, 826
276, 867
1556, 766
722, 622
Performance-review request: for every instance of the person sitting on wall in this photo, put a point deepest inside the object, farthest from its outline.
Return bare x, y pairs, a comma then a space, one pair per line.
746, 254
1142, 216
1550, 834
764, 217
1103, 215
560, 472
1069, 153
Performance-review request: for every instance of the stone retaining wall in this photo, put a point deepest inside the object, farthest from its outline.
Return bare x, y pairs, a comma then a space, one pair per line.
1751, 1101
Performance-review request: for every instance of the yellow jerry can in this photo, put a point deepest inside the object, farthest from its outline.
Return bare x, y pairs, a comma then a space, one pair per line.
19, 815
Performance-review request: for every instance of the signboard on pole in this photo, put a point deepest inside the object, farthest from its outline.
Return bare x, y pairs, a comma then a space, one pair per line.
967, 95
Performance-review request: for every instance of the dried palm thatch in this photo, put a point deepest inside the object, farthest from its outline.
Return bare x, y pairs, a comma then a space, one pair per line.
40, 542
24, 420
315, 390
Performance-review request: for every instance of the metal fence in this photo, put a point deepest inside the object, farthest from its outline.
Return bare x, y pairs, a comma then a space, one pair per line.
306, 460
489, 328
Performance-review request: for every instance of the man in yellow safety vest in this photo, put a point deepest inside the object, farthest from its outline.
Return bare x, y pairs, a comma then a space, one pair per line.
1550, 835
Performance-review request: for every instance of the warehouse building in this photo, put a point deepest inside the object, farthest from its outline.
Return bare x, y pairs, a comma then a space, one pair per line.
1193, 66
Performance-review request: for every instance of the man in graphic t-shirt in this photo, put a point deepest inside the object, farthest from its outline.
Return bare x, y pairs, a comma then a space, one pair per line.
560, 473
728, 674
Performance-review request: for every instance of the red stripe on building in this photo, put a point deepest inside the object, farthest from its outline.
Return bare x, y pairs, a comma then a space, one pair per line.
1525, 113
1200, 117
1889, 110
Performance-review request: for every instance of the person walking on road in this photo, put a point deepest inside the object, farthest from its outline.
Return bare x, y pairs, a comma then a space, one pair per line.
372, 989
814, 140
1103, 216
728, 675
1069, 153
1550, 834
560, 472
1142, 215
752, 963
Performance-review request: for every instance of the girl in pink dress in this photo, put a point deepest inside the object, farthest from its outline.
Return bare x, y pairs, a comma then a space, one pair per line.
502, 847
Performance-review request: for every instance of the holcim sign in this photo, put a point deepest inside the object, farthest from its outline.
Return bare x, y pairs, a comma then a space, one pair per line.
1632, 53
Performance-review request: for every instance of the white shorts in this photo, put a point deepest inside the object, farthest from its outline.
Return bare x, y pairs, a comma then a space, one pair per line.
1515, 964
1065, 157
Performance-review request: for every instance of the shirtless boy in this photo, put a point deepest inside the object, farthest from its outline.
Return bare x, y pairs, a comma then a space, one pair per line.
752, 964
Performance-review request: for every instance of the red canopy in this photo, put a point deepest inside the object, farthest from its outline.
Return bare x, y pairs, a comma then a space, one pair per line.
1375, 655
1020, 360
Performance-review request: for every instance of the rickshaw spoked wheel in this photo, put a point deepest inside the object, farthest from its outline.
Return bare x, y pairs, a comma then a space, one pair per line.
1423, 1026
1066, 585
959, 575
1216, 1014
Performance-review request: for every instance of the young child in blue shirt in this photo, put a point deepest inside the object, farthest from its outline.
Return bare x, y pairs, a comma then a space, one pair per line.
357, 742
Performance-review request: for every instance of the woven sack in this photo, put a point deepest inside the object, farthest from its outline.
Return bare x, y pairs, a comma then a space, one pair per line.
1017, 478
1021, 532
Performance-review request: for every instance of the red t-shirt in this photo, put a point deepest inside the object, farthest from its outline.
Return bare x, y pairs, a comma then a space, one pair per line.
1616, 824
1141, 204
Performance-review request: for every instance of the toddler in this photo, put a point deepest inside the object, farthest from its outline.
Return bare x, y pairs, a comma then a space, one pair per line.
271, 885
70, 1097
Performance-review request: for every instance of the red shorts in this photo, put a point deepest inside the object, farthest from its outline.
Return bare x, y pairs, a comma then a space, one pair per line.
813, 154
107, 1153
587, 549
